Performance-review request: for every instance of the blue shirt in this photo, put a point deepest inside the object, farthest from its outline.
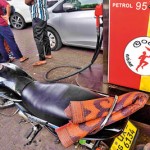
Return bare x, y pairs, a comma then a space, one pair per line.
39, 10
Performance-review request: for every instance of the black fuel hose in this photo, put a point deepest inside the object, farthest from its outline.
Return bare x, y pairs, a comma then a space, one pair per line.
96, 53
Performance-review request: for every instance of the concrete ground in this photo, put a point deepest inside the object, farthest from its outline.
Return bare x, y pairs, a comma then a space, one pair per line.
12, 130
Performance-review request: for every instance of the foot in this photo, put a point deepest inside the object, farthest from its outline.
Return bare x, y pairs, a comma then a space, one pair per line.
22, 59
11, 59
48, 56
39, 63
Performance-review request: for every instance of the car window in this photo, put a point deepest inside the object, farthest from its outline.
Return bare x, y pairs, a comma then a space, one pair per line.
78, 5
84, 4
50, 3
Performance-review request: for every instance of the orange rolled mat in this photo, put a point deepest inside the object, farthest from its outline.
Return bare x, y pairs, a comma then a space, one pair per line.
87, 116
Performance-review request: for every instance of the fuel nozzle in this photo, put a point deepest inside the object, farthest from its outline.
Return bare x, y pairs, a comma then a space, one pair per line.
98, 13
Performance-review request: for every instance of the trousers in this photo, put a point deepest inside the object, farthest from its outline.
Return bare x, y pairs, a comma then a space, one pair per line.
41, 38
7, 35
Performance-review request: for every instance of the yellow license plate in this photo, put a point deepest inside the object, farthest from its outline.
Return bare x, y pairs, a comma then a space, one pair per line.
125, 140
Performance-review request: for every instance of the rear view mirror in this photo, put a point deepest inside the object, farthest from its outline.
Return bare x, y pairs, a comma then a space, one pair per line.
68, 7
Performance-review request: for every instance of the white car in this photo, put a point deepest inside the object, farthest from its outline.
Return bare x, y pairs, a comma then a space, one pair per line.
73, 23
21, 17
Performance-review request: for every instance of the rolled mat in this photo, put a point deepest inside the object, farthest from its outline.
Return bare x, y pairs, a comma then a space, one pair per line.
87, 116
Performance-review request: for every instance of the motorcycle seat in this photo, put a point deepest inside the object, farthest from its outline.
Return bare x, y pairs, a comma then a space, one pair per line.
48, 101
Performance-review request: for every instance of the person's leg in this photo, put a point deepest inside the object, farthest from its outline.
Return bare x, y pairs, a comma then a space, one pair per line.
4, 54
10, 54
46, 43
9, 37
6, 47
38, 31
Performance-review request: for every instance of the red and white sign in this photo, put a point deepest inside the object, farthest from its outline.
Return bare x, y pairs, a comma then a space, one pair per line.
129, 42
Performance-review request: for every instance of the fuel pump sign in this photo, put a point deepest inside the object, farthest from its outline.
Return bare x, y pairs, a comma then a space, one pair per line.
129, 44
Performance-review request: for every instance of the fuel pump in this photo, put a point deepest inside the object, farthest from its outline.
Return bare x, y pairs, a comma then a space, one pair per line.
127, 43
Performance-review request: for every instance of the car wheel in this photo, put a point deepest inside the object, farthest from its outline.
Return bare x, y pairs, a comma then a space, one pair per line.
17, 21
55, 40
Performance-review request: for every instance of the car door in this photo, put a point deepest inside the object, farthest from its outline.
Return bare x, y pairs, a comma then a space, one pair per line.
78, 27
22, 9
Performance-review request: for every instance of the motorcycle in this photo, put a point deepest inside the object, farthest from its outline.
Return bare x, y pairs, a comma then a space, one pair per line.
43, 105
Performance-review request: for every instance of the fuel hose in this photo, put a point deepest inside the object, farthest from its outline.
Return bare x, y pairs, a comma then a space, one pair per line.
98, 13
96, 53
